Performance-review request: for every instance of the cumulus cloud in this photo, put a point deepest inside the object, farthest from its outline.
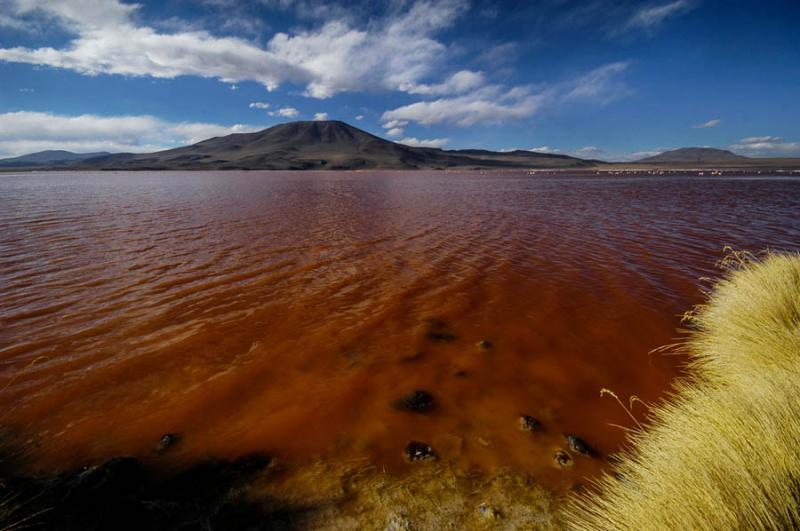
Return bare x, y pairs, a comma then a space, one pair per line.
259, 105
320, 116
708, 125
359, 117
416, 142
25, 132
766, 146
391, 53
395, 51
108, 41
395, 132
285, 112
651, 16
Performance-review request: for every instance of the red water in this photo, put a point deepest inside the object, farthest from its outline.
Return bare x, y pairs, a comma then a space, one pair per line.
284, 312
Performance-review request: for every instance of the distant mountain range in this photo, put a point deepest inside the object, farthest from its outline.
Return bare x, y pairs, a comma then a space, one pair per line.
335, 145
701, 155
51, 157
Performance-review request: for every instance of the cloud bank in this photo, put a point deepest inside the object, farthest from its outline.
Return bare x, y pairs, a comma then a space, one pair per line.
26, 132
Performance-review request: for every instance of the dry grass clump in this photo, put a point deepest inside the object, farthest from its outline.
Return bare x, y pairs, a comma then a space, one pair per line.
724, 451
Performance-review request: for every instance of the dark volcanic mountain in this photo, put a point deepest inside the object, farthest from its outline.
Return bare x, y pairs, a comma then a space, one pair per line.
51, 157
696, 155
321, 145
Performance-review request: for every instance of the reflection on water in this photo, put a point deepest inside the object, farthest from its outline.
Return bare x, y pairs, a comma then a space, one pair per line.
285, 312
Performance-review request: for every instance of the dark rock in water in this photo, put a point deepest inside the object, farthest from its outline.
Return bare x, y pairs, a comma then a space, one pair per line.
167, 441
251, 463
562, 459
418, 451
461, 373
580, 446
441, 337
437, 331
485, 344
418, 401
528, 423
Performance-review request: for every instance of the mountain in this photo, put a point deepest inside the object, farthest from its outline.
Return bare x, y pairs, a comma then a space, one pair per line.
321, 145
696, 155
50, 157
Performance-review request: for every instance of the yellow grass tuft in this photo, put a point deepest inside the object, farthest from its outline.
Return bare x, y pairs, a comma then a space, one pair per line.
724, 451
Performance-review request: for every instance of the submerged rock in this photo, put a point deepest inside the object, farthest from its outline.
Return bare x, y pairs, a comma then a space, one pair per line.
562, 459
528, 423
418, 451
437, 331
419, 401
251, 463
580, 446
441, 337
167, 441
484, 344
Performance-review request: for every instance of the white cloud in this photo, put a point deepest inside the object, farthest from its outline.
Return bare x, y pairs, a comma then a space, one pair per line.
649, 17
109, 42
459, 83
496, 104
285, 112
395, 132
766, 146
707, 125
259, 105
391, 53
360, 117
234, 87
391, 124
602, 85
490, 104
416, 142
320, 117
396, 50
25, 132
545, 149
760, 139
588, 152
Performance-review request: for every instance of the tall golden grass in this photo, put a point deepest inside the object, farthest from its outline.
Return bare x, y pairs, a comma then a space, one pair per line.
723, 452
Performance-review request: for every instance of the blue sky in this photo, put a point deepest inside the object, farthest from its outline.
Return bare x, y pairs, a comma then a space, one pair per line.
610, 79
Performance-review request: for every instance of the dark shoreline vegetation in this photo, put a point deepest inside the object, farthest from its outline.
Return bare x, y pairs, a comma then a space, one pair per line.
336, 145
723, 453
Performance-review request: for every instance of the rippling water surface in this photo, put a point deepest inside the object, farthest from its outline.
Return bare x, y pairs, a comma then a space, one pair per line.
284, 312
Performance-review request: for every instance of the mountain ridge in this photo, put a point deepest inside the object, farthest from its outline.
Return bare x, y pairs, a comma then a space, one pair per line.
308, 145
49, 156
695, 154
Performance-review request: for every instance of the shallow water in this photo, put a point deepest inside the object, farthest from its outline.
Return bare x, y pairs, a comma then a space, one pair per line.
284, 312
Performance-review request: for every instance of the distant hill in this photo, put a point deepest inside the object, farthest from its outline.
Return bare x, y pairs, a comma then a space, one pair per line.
321, 145
696, 155
50, 157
